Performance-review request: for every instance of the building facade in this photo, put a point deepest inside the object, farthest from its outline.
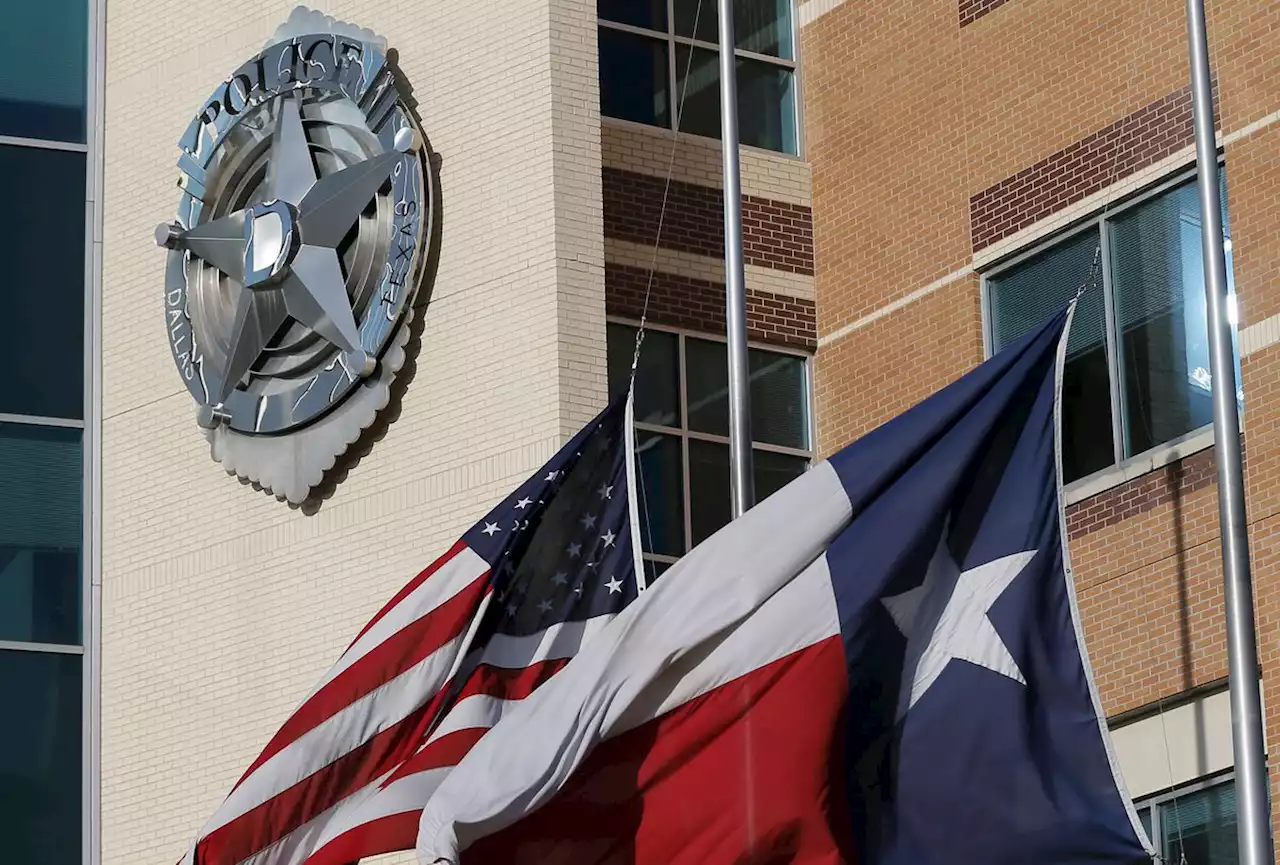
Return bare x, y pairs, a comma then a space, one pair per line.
549, 125
908, 172
975, 164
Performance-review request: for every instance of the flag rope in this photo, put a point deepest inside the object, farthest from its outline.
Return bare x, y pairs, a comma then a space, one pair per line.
666, 192
1168, 760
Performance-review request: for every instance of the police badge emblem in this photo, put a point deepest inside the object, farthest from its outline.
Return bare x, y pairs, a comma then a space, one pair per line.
297, 250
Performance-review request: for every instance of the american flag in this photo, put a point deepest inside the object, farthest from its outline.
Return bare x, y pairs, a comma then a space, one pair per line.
348, 774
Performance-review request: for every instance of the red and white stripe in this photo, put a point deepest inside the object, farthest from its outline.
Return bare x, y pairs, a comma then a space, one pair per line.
383, 817
697, 728
494, 682
369, 713
348, 773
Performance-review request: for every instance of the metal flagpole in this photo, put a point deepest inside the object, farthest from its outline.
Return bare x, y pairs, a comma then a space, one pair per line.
740, 476
1242, 650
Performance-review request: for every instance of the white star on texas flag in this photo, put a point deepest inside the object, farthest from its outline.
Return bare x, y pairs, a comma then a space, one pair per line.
946, 617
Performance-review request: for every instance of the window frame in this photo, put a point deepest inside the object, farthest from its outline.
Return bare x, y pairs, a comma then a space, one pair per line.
673, 75
685, 434
1157, 801
1122, 468
88, 649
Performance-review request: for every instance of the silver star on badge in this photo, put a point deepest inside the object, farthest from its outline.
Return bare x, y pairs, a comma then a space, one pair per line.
282, 254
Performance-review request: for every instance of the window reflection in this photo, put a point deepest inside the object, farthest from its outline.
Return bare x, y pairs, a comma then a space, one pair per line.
40, 763
42, 329
43, 84
40, 530
683, 454
1153, 281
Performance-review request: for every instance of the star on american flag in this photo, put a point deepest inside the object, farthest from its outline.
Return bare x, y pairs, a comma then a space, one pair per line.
566, 540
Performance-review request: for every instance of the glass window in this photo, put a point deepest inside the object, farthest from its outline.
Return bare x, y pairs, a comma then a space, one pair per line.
651, 14
1196, 825
657, 399
1021, 299
779, 393
1201, 827
43, 80
764, 26
629, 75
766, 99
40, 763
42, 329
654, 569
709, 506
772, 471
698, 19
634, 78
684, 450
1146, 303
709, 486
766, 106
660, 477
43, 244
1162, 318
759, 26
698, 85
40, 530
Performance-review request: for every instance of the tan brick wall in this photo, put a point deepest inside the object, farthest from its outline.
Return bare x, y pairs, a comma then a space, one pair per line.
915, 110
881, 370
634, 147
883, 125
1253, 194
222, 606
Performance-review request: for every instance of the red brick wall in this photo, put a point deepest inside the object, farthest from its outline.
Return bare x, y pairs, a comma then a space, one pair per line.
972, 10
880, 371
698, 304
1143, 493
1114, 152
775, 234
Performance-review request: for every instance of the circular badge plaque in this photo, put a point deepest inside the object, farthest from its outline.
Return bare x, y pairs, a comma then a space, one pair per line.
296, 252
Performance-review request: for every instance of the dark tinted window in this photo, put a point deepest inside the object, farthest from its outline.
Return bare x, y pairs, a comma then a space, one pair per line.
1162, 317
42, 79
1023, 298
657, 398
638, 13
1157, 326
40, 760
633, 77
779, 396
709, 485
660, 494
42, 282
40, 530
761, 26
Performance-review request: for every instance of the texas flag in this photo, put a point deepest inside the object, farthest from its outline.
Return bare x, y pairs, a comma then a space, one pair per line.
881, 663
